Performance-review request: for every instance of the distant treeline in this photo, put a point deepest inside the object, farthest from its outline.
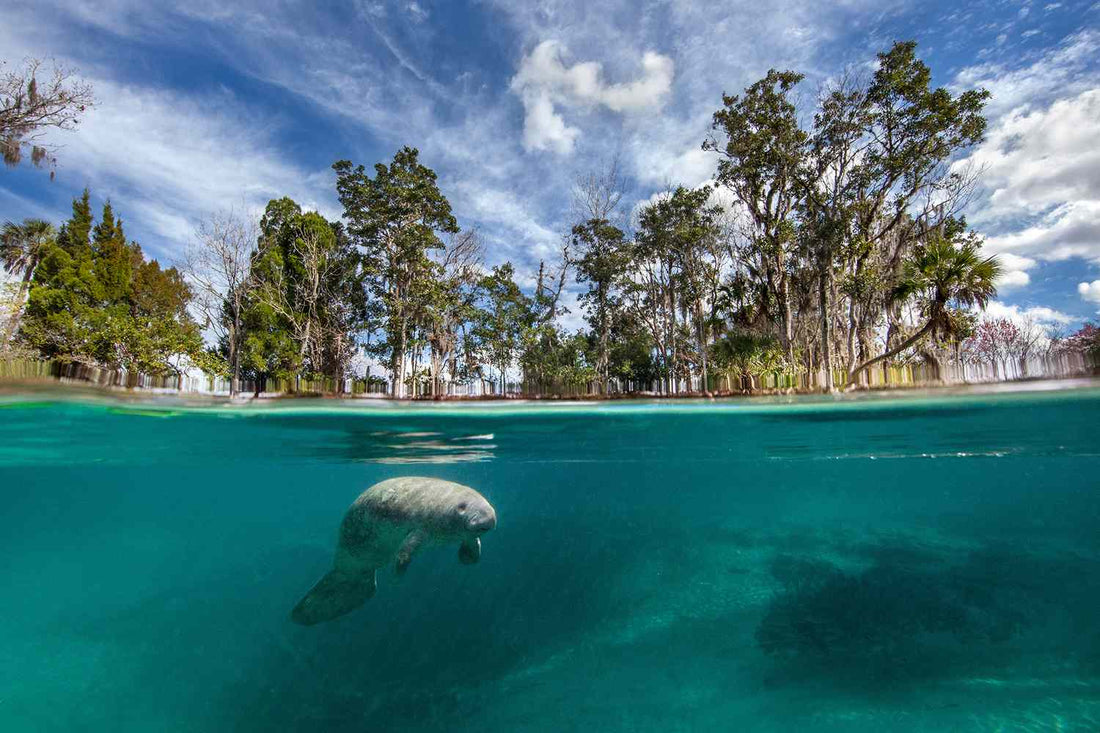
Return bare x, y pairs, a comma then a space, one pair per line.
819, 252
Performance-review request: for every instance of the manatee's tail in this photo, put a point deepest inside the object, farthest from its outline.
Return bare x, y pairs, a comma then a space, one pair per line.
334, 595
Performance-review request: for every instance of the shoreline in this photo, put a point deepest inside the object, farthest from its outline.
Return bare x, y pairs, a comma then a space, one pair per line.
13, 392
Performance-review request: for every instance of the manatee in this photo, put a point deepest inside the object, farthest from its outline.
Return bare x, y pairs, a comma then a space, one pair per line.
389, 522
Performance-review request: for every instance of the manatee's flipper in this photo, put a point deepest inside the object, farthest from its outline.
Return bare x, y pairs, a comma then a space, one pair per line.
469, 551
405, 553
334, 595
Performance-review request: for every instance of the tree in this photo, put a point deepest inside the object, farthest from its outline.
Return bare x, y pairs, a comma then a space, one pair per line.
1086, 340
396, 219
29, 107
505, 313
761, 163
165, 338
994, 341
308, 275
745, 355
631, 359
452, 304
601, 262
1001, 341
22, 247
219, 270
904, 186
652, 294
942, 273
829, 190
549, 355
831, 213
63, 291
678, 260
94, 298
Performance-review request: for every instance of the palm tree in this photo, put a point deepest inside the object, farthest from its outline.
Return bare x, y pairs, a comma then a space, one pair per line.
22, 247
942, 273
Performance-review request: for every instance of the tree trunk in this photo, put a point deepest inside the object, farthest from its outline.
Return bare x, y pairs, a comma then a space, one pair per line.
338, 367
17, 309
882, 357
399, 363
824, 287
931, 358
853, 357
235, 354
785, 308
603, 358
701, 331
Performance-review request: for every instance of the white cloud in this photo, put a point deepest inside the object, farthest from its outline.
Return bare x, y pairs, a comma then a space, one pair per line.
1035, 159
1012, 279
543, 128
167, 160
1090, 291
1014, 271
416, 12
1070, 230
581, 83
504, 209
1062, 72
661, 159
1040, 183
1036, 314
543, 80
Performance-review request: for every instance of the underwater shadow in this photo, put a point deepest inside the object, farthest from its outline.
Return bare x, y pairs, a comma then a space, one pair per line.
915, 616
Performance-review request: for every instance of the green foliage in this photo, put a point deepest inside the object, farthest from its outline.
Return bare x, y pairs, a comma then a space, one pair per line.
503, 318
22, 247
943, 272
602, 265
743, 355
916, 127
95, 298
632, 354
306, 300
762, 152
395, 218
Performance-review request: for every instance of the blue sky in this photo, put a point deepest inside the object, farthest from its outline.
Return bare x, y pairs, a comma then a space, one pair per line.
210, 105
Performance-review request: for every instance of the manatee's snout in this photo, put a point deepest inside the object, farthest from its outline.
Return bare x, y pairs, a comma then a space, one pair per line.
483, 520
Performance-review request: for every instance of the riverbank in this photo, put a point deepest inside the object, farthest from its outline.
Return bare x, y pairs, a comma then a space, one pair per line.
206, 388
86, 381
167, 402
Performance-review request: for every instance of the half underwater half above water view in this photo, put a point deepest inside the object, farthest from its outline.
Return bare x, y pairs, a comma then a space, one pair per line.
920, 563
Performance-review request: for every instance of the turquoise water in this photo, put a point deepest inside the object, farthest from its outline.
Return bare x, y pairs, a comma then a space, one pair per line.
914, 564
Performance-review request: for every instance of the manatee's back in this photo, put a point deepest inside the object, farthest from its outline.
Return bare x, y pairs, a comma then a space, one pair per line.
412, 500
376, 523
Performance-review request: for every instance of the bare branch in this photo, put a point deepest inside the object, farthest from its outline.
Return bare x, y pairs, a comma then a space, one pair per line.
31, 106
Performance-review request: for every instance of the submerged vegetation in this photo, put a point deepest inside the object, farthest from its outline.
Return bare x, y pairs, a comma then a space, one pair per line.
818, 253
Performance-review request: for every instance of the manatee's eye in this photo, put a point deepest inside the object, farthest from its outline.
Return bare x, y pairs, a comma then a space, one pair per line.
462, 507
